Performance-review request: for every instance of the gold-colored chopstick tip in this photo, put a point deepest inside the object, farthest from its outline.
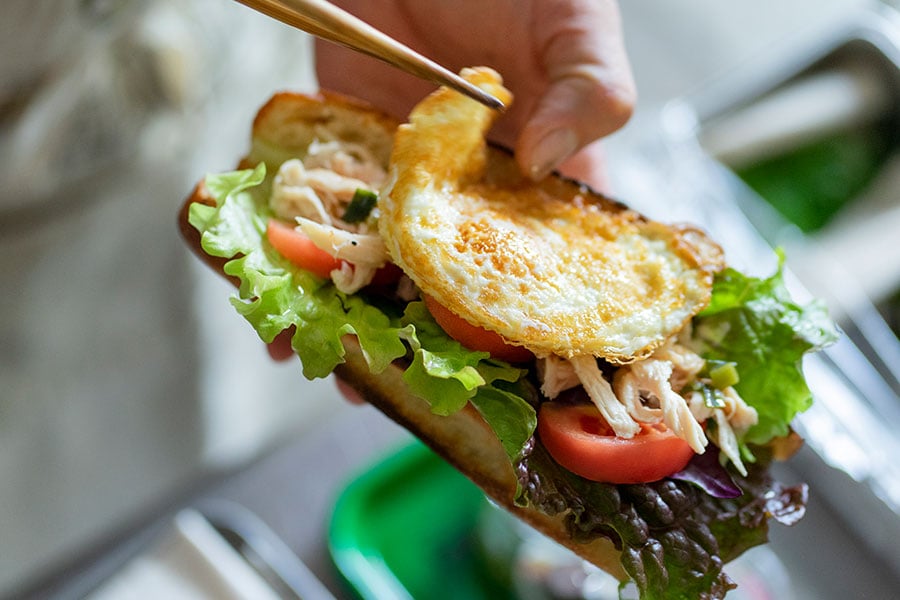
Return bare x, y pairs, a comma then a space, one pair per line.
496, 104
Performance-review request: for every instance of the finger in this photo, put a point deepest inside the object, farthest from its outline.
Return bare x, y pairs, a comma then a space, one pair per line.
352, 396
588, 165
280, 348
590, 91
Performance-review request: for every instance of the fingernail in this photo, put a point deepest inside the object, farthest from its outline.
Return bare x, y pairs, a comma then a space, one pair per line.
553, 149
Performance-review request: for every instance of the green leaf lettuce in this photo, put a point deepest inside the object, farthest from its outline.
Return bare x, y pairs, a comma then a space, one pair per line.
755, 324
274, 296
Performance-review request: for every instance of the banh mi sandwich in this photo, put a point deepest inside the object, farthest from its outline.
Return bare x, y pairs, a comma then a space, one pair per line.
601, 375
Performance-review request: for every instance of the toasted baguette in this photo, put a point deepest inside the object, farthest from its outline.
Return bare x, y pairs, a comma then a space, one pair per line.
283, 128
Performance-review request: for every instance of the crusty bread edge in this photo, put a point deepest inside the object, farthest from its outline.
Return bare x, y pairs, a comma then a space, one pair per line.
463, 439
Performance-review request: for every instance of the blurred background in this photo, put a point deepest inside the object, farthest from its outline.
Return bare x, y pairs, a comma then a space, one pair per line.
127, 385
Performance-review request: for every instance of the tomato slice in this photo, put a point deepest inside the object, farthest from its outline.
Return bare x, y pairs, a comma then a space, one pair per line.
579, 439
296, 246
474, 337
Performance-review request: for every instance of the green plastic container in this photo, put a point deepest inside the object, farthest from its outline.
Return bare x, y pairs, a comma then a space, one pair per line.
407, 528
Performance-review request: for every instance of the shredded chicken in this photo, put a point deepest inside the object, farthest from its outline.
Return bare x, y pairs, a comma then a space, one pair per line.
686, 364
357, 248
334, 189
646, 391
315, 193
557, 375
741, 415
732, 420
645, 410
363, 253
293, 197
601, 394
352, 278
653, 377
350, 160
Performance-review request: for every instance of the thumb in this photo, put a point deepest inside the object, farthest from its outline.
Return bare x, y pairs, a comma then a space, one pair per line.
590, 90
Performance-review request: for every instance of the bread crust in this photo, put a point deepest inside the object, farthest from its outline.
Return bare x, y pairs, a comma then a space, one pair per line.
463, 439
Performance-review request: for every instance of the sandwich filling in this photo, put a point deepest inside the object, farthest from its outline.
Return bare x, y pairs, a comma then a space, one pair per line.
570, 279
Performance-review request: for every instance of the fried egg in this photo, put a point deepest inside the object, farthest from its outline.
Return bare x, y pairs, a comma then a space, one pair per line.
551, 266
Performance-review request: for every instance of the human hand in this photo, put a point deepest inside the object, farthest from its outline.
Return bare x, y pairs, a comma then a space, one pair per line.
564, 61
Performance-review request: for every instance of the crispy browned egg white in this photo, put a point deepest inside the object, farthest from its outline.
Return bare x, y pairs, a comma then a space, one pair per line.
551, 266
